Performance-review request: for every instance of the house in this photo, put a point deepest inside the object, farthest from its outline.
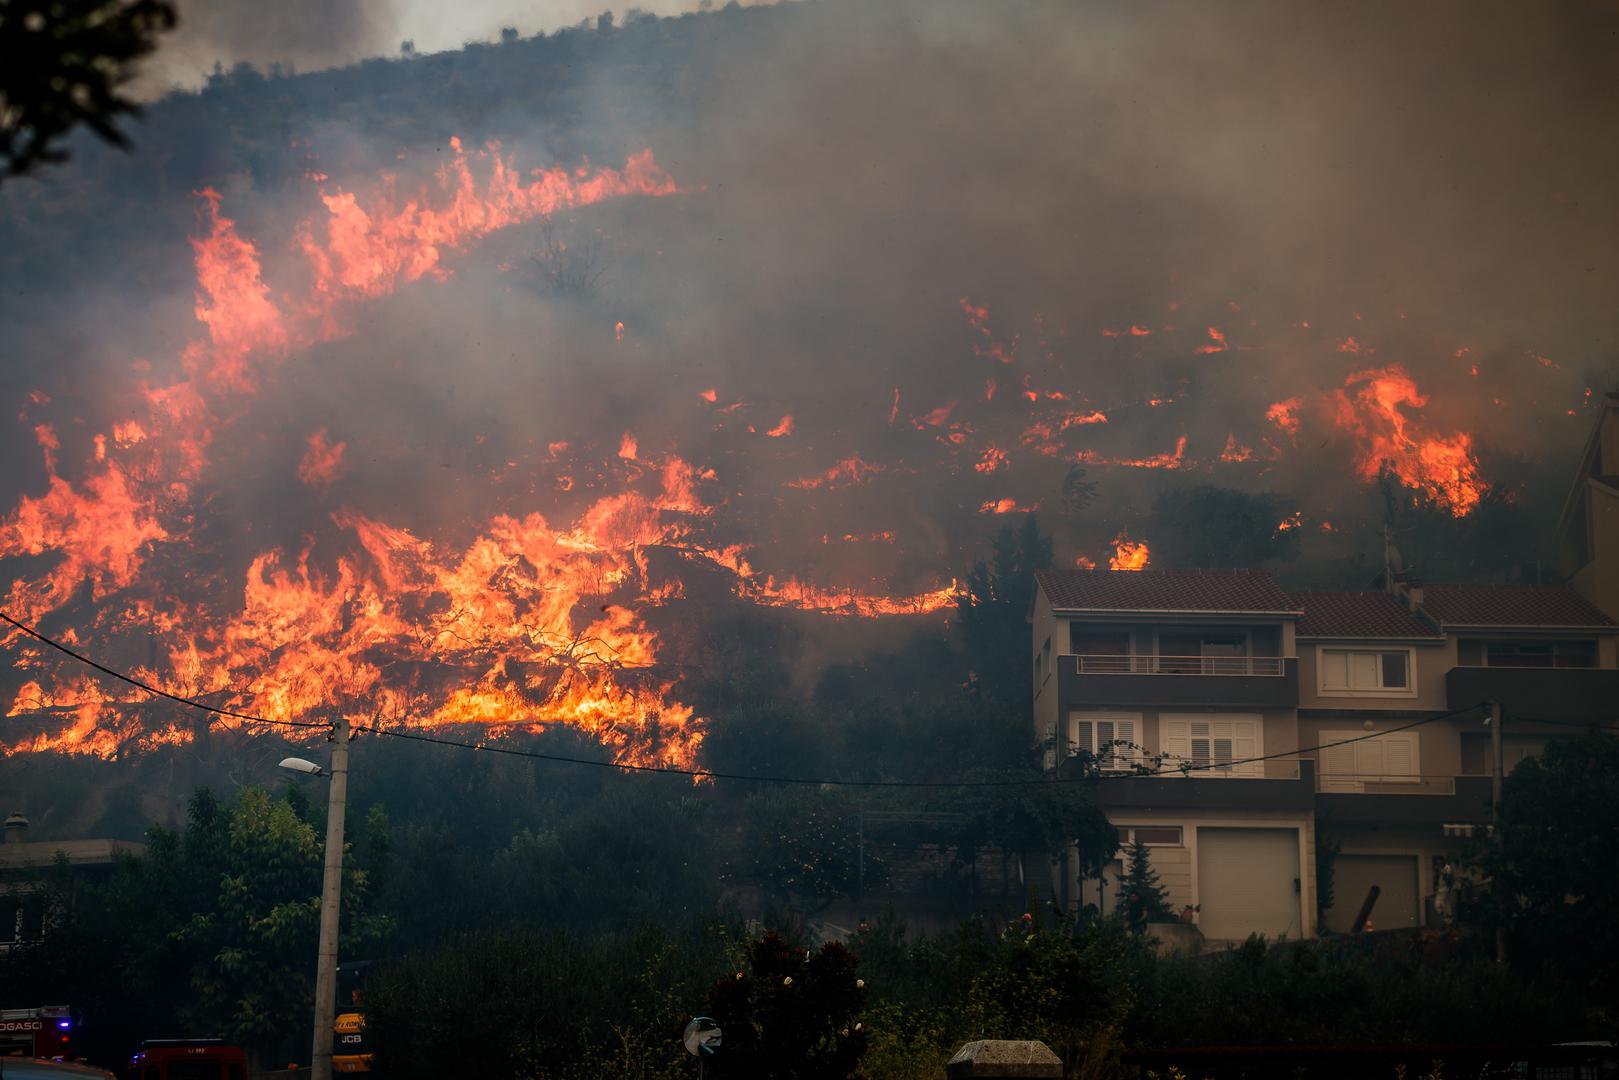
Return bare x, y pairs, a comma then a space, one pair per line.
26, 866
1286, 733
1199, 669
1588, 530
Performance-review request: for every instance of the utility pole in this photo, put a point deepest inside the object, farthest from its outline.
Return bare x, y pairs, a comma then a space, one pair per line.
1497, 781
330, 897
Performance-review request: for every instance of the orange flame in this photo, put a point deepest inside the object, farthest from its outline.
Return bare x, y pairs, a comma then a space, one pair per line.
1128, 554
1235, 451
322, 462
1169, 460
849, 471
518, 629
1441, 467
1285, 415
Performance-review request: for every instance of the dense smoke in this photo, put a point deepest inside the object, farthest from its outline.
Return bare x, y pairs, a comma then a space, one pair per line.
925, 259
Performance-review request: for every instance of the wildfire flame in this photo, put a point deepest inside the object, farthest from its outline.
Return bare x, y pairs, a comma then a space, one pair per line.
1128, 554
1372, 405
532, 623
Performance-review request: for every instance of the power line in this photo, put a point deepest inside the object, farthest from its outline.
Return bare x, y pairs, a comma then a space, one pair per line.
139, 685
707, 774
1318, 746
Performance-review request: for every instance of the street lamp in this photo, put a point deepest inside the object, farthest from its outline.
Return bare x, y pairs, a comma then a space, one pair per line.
330, 894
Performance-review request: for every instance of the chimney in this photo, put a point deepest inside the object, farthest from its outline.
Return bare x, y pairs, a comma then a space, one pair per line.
1412, 588
16, 827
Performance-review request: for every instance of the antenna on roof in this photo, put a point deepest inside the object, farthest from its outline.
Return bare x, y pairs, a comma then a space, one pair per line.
1393, 565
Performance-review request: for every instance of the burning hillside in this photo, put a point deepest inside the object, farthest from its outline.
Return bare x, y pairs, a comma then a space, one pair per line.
457, 432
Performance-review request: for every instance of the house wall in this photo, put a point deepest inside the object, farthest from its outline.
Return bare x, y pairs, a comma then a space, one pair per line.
1439, 744
1177, 867
1046, 626
1598, 580
1425, 844
1608, 441
1430, 661
1279, 727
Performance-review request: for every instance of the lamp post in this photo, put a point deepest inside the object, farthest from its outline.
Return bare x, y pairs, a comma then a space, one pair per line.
330, 895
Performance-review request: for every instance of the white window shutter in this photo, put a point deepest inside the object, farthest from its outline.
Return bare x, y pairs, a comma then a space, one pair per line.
1369, 759
1246, 744
1125, 730
1082, 737
1177, 743
1334, 671
1400, 754
1363, 671
1338, 765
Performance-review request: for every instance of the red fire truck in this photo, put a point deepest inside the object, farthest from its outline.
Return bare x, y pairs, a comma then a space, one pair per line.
188, 1059
43, 1032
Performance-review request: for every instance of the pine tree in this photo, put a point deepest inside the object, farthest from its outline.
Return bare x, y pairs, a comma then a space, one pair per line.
1145, 900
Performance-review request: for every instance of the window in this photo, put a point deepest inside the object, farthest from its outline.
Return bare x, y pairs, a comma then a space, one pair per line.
1385, 759
1151, 835
1366, 671
1541, 654
1110, 739
1213, 746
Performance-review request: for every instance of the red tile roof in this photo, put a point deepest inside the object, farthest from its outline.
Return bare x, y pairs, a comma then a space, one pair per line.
1511, 605
1359, 615
1234, 591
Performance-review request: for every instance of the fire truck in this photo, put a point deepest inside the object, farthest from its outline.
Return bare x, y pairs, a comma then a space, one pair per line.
43, 1032
188, 1059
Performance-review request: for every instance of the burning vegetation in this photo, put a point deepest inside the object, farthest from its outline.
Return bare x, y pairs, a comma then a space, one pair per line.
359, 447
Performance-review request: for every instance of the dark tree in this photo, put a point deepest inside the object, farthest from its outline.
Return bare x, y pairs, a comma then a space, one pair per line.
993, 613
63, 63
1557, 866
1077, 492
1214, 528
1144, 898
791, 1012
1497, 537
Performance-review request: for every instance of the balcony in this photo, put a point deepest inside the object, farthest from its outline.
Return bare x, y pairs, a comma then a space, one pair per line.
1285, 785
1179, 665
1428, 801
1250, 682
1533, 693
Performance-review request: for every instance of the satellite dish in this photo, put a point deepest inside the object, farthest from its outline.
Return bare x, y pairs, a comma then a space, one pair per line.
1396, 563
702, 1037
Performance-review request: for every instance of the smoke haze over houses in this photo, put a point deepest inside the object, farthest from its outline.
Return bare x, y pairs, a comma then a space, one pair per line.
828, 293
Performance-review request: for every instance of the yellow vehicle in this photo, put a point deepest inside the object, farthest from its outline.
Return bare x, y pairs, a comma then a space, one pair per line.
351, 1047
351, 1050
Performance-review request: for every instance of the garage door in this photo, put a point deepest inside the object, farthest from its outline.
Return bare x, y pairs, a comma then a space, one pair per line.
1247, 883
1354, 875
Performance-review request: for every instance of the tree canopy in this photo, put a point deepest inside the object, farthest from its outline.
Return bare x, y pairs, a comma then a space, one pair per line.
63, 64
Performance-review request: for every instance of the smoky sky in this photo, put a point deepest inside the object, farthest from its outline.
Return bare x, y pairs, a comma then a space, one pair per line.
308, 35
1332, 187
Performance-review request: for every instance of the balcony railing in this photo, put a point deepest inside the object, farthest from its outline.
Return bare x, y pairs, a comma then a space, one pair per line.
1086, 664
1341, 783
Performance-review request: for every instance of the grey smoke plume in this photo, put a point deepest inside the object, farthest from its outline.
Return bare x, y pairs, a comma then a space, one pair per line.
1417, 180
